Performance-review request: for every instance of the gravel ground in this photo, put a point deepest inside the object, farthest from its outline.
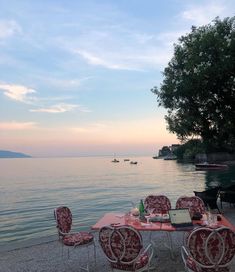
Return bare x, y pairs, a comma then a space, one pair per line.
47, 257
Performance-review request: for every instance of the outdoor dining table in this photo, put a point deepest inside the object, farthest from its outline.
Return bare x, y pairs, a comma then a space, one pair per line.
119, 219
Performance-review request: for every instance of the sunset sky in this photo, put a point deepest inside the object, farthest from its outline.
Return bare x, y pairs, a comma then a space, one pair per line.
75, 76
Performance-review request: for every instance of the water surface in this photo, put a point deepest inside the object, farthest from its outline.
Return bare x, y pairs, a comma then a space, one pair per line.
31, 188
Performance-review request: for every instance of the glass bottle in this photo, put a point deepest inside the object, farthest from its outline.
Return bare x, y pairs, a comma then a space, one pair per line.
141, 207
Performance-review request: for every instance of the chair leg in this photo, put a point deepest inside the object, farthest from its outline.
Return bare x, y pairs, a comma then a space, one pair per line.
87, 267
170, 245
62, 251
68, 254
95, 254
88, 258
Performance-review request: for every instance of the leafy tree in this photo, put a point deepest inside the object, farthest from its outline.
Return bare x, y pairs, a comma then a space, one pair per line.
198, 89
189, 150
165, 151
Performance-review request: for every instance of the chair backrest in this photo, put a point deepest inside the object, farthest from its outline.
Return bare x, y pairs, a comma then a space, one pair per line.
213, 193
63, 217
193, 203
158, 203
121, 244
211, 247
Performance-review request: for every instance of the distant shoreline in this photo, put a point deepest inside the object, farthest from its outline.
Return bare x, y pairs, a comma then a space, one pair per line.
5, 154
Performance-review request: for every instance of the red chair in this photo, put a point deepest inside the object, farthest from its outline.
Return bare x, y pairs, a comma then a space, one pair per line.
123, 247
193, 203
209, 250
157, 203
63, 217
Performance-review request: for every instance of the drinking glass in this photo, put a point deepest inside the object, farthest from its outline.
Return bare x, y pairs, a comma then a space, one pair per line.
148, 217
151, 212
211, 219
133, 205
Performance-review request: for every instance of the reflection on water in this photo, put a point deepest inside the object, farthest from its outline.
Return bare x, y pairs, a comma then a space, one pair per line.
31, 188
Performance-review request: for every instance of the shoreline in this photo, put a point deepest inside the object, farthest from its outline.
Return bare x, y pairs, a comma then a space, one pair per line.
28, 243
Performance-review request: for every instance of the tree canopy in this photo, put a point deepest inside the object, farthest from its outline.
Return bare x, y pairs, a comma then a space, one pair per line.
198, 88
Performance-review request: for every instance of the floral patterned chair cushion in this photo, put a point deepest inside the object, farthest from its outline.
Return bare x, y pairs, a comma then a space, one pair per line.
123, 247
63, 218
78, 239
192, 265
193, 203
210, 249
157, 203
104, 240
140, 263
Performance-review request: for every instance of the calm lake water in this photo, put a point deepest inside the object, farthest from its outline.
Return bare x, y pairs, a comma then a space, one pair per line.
30, 189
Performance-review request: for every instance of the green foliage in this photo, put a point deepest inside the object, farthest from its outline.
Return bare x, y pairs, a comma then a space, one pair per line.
189, 150
165, 151
198, 89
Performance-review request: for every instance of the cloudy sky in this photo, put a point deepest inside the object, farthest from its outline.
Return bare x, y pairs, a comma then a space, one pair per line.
75, 76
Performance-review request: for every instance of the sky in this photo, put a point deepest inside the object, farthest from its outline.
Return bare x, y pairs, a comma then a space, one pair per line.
75, 76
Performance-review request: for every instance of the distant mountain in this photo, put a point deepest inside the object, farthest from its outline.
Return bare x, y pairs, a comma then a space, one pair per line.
10, 154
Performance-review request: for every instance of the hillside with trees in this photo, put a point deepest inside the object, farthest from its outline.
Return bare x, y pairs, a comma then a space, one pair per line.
10, 154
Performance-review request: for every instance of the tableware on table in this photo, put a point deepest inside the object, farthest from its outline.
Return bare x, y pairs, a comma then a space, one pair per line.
165, 217
214, 220
203, 221
133, 204
211, 219
156, 218
148, 217
141, 207
135, 211
151, 212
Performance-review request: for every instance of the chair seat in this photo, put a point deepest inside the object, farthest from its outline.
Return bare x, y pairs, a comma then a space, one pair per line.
140, 263
80, 238
191, 264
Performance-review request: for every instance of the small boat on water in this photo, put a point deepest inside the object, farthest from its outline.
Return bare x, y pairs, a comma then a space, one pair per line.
133, 162
126, 159
210, 166
115, 160
155, 157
